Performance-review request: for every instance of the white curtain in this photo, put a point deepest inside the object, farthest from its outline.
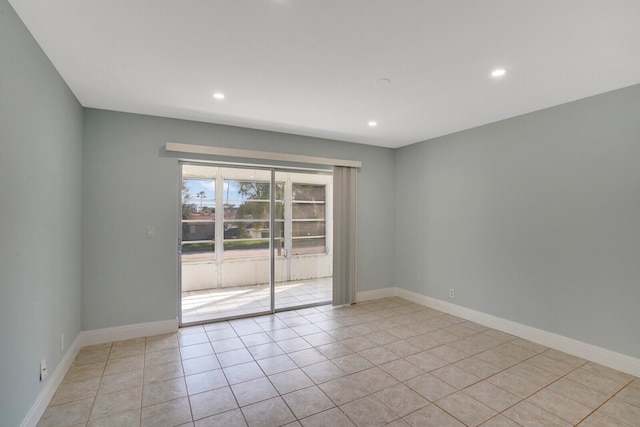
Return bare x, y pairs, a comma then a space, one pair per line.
344, 235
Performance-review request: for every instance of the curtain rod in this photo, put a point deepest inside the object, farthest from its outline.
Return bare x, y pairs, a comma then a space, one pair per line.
262, 155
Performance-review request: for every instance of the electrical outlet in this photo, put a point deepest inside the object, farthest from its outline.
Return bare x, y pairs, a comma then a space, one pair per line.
151, 232
43, 370
452, 293
62, 343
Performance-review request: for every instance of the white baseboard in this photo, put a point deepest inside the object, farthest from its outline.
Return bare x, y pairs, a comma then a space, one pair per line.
590, 352
375, 294
119, 333
96, 336
54, 381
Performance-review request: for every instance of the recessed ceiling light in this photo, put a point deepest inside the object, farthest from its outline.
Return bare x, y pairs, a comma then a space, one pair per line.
498, 72
373, 123
218, 95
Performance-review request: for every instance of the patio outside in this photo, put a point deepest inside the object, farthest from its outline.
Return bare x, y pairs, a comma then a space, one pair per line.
210, 304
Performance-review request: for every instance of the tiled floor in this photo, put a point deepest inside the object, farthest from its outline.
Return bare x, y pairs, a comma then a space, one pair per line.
384, 362
208, 304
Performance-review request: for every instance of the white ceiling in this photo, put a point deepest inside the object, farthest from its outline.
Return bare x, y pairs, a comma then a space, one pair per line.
308, 67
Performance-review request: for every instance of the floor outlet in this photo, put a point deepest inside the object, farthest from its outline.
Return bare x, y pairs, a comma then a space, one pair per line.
43, 370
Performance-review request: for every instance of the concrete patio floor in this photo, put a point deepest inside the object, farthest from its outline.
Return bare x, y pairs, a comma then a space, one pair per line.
213, 304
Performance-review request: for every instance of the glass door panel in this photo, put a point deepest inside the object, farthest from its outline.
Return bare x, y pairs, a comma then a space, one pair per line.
303, 272
246, 249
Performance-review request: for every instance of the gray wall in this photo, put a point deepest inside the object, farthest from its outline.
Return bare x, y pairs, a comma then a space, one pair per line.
40, 216
129, 182
535, 219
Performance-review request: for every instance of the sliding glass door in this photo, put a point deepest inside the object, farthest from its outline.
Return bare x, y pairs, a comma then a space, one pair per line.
252, 241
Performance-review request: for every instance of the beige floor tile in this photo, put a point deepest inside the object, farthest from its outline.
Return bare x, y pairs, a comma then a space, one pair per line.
185, 340
594, 380
262, 351
234, 357
205, 381
121, 381
212, 402
492, 396
70, 392
161, 342
622, 411
579, 393
614, 375
500, 421
196, 350
382, 337
307, 402
200, 364
273, 365
164, 372
401, 399
323, 372
288, 381
402, 348
426, 361
307, 357
401, 369
129, 342
430, 387
334, 350
293, 344
91, 356
352, 363
448, 353
233, 418
107, 405
368, 411
630, 395
598, 419
66, 414
565, 357
124, 364
243, 372
267, 413
227, 344
332, 417
374, 379
378, 355
126, 350
84, 372
456, 377
514, 384
559, 405
253, 391
162, 357
129, 419
498, 359
358, 343
171, 413
343, 390
528, 415
394, 343
162, 391
431, 416
478, 367
466, 409
551, 365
